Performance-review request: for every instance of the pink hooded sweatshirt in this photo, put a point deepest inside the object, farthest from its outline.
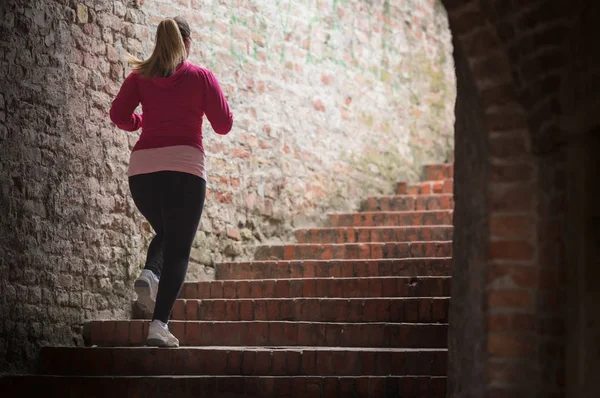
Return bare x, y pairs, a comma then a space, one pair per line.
172, 110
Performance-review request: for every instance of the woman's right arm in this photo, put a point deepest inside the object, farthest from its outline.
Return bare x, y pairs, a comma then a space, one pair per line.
123, 106
216, 107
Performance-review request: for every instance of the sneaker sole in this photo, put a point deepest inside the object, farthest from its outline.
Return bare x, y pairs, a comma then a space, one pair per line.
144, 300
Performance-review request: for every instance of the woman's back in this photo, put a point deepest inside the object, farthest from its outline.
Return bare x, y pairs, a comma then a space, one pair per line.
173, 107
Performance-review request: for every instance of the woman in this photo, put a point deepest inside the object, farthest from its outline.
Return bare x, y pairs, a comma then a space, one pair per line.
167, 178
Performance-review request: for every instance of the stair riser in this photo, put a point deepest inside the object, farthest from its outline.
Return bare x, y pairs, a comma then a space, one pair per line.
372, 235
442, 187
406, 203
205, 362
383, 219
226, 387
355, 251
133, 333
334, 269
423, 310
434, 172
322, 287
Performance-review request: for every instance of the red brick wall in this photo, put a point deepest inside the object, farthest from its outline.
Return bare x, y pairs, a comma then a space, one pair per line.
514, 52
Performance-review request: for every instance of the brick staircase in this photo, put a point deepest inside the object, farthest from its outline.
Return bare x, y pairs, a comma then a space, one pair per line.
356, 309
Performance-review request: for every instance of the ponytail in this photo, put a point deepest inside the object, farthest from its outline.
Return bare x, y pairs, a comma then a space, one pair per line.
169, 52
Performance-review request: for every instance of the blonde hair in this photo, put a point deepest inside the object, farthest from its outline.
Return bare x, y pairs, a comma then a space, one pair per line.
169, 50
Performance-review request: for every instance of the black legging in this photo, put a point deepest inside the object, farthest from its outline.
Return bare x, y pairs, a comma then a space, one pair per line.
172, 203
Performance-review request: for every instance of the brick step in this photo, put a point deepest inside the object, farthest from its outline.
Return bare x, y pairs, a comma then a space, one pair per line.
391, 218
381, 309
374, 234
334, 268
408, 202
319, 287
425, 187
267, 333
351, 251
202, 361
224, 386
438, 171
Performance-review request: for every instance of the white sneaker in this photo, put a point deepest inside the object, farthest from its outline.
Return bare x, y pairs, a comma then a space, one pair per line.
159, 335
146, 287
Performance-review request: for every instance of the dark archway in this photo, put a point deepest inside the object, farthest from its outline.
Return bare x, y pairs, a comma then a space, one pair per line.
522, 186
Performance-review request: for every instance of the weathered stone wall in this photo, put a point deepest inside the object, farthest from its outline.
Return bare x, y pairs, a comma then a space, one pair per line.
67, 229
332, 99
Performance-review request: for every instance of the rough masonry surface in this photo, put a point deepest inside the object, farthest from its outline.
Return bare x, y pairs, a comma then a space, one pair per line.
332, 100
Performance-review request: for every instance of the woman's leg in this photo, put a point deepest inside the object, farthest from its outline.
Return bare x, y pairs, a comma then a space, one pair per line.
147, 195
182, 209
155, 256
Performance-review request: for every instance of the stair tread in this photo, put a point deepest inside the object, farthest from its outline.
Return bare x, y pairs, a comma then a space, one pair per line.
340, 260
429, 181
320, 298
409, 195
392, 212
325, 278
253, 348
379, 227
416, 242
111, 377
315, 323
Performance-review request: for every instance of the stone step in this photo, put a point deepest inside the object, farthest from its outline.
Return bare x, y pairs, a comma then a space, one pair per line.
270, 333
351, 251
440, 171
374, 234
408, 202
225, 386
333, 268
391, 218
203, 361
319, 287
381, 309
425, 187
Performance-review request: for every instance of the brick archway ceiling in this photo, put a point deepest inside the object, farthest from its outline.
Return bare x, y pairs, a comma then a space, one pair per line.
515, 59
